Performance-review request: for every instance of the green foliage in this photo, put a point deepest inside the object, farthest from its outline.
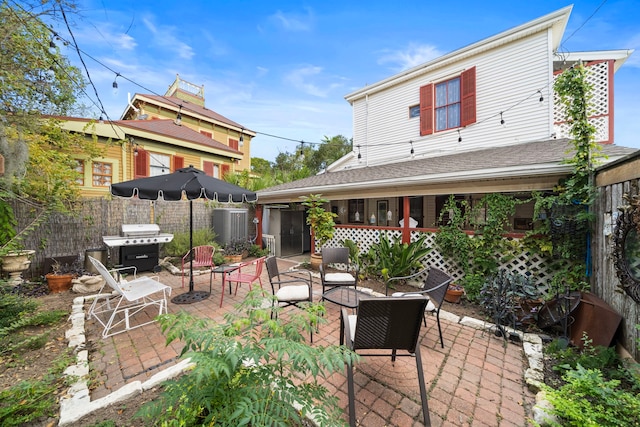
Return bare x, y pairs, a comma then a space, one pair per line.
604, 359
257, 251
8, 223
179, 246
588, 399
392, 258
248, 369
12, 306
480, 255
27, 401
319, 219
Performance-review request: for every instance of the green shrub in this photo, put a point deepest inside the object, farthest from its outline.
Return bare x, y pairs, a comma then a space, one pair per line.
587, 399
394, 258
248, 369
179, 246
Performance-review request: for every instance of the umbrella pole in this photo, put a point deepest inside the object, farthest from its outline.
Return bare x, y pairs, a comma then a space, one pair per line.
191, 296
191, 284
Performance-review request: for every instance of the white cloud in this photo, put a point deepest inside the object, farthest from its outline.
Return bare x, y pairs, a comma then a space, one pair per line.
410, 57
302, 79
293, 21
164, 37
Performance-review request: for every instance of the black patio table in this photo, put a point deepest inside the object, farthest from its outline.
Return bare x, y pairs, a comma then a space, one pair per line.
344, 296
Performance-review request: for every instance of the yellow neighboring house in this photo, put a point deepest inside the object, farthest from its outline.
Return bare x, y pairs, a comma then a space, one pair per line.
159, 134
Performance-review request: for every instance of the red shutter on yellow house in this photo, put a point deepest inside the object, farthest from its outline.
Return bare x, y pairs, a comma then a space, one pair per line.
208, 168
205, 133
233, 143
225, 170
468, 98
178, 163
141, 164
426, 109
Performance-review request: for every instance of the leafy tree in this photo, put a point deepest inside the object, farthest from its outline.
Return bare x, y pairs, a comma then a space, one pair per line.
36, 79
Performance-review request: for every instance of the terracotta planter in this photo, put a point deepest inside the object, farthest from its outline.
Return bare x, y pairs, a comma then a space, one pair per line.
453, 295
316, 260
59, 282
232, 259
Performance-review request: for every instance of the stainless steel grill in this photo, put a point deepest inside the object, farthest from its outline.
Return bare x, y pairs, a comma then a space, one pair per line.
139, 245
138, 234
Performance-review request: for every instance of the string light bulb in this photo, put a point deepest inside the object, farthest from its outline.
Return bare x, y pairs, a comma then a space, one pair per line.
413, 152
359, 155
501, 119
301, 148
115, 83
459, 136
541, 97
241, 140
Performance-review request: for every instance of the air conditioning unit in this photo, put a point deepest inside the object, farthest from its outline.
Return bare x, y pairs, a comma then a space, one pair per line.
230, 224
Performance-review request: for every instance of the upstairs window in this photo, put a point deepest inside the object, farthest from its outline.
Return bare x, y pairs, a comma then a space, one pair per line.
80, 170
233, 143
449, 104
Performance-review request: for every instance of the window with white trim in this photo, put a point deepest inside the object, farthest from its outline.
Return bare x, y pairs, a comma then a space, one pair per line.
159, 164
102, 174
447, 104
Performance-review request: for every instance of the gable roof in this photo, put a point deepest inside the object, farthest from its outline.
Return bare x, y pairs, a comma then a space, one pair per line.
195, 110
542, 158
555, 21
168, 128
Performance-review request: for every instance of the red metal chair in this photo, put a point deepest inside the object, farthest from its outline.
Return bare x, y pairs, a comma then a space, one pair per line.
202, 257
247, 272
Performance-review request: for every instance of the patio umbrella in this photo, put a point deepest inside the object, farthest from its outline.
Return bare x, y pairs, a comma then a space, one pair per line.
190, 184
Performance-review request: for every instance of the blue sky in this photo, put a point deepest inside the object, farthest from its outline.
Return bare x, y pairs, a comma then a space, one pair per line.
283, 67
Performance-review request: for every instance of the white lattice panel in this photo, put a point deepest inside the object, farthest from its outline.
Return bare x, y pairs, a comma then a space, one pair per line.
599, 108
532, 265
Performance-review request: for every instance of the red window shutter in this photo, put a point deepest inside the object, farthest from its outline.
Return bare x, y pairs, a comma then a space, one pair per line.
205, 133
426, 109
468, 98
178, 163
225, 170
141, 164
233, 143
208, 168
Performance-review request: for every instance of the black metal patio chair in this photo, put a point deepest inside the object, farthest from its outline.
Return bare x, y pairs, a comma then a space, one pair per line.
435, 287
385, 323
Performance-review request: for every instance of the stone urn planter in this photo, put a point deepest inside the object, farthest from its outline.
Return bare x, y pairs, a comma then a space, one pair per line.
15, 263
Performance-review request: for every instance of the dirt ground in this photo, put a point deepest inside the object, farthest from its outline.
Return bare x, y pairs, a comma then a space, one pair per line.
34, 363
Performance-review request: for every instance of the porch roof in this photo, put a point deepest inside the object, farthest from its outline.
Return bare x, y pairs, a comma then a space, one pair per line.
520, 167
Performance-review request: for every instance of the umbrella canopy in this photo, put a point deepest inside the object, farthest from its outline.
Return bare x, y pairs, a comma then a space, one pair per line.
186, 183
189, 183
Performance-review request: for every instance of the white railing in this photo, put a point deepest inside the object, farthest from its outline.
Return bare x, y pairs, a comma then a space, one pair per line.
270, 242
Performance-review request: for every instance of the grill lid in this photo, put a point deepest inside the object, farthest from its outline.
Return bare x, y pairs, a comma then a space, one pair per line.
140, 230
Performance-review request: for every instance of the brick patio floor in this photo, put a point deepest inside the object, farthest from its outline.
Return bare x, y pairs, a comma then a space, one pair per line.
476, 380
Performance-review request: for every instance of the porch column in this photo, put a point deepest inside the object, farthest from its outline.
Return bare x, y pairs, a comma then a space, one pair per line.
406, 209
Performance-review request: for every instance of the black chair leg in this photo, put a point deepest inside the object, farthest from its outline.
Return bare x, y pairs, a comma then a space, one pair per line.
352, 397
423, 388
440, 329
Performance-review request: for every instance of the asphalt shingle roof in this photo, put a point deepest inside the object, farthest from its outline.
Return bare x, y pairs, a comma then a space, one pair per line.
519, 155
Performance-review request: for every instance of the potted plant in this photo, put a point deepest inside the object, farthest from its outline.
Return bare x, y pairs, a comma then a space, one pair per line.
321, 222
454, 293
62, 274
235, 250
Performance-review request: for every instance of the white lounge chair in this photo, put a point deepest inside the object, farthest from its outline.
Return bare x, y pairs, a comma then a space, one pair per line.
115, 310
